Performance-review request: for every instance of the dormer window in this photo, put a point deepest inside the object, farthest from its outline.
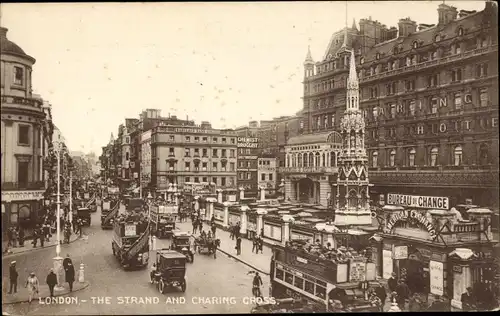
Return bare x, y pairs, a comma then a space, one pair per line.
437, 38
362, 60
482, 42
395, 50
460, 31
415, 44
456, 49
378, 56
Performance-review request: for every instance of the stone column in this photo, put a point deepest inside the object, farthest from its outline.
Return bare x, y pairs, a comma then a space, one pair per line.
196, 203
460, 283
285, 228
219, 196
210, 209
260, 220
262, 193
242, 193
297, 191
243, 219
225, 222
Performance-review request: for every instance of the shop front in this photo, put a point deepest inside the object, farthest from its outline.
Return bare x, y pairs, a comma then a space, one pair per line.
420, 246
20, 209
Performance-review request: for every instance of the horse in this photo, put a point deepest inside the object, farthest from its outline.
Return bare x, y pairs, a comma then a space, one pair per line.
212, 246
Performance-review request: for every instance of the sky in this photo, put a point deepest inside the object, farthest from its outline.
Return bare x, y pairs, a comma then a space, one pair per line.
227, 63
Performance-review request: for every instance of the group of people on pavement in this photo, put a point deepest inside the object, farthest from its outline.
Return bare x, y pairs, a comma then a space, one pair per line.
33, 284
15, 235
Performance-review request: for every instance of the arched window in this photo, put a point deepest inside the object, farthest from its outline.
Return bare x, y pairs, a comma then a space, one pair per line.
299, 161
317, 162
333, 162
392, 158
306, 160
437, 38
460, 31
324, 160
456, 49
353, 199
375, 159
411, 157
457, 156
415, 44
434, 156
484, 156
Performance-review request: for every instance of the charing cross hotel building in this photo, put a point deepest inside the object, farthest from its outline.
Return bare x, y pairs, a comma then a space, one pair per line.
428, 94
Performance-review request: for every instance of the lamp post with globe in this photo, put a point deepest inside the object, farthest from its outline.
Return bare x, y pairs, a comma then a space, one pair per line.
58, 150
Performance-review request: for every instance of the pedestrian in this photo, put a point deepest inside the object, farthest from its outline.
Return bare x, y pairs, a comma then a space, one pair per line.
231, 231
392, 282
46, 230
70, 275
238, 246
40, 235
438, 305
13, 277
403, 294
33, 286
237, 230
80, 226
15, 235
255, 245
381, 293
21, 236
214, 228
195, 226
212, 220
260, 244
200, 225
51, 281
66, 262
35, 237
10, 237
468, 300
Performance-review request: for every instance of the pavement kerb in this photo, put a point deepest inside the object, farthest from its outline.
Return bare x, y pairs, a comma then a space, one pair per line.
240, 260
37, 248
86, 284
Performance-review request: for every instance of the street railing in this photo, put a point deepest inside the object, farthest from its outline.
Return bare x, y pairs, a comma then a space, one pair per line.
33, 185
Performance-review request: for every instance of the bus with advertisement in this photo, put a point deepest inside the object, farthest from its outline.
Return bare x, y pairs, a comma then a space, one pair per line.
324, 284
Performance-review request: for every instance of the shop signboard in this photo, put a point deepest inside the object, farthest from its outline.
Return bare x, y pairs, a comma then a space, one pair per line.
219, 215
400, 252
419, 201
436, 277
342, 272
410, 216
357, 271
130, 230
233, 219
248, 142
387, 264
371, 271
231, 198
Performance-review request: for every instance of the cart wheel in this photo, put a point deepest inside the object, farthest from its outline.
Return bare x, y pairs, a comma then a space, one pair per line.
162, 287
183, 285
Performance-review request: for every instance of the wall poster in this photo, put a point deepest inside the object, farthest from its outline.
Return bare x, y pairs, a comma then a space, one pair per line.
436, 277
387, 267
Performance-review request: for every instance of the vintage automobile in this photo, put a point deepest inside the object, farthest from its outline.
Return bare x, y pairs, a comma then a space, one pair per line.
207, 246
181, 243
170, 270
83, 213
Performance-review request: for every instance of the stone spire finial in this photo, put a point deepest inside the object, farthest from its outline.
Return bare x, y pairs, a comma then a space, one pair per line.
354, 27
352, 80
344, 45
309, 59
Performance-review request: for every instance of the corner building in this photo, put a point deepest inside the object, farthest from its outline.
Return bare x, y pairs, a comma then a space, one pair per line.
194, 154
22, 135
429, 96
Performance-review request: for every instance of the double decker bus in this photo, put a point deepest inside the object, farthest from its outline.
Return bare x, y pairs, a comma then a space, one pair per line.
130, 241
300, 275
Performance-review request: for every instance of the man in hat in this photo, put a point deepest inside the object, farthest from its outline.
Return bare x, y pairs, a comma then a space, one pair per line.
13, 277
468, 300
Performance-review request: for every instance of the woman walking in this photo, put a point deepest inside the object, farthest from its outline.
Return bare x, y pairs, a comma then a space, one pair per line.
33, 286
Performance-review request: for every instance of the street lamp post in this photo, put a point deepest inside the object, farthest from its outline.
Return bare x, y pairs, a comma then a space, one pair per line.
71, 198
58, 259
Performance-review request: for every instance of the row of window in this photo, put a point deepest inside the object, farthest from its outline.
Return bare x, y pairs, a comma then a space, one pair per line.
324, 121
204, 166
305, 283
205, 139
266, 176
264, 162
204, 152
432, 156
414, 59
222, 181
244, 151
244, 175
481, 70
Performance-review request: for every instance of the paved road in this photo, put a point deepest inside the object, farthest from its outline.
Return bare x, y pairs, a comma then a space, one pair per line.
207, 277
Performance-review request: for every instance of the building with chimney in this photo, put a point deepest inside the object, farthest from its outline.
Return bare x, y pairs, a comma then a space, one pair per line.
429, 96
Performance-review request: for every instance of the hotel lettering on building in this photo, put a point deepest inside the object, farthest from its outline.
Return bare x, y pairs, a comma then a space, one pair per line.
429, 97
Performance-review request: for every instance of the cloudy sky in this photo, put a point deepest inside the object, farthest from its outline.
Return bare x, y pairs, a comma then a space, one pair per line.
227, 63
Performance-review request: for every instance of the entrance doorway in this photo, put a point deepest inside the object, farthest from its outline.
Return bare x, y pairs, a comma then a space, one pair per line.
416, 273
307, 191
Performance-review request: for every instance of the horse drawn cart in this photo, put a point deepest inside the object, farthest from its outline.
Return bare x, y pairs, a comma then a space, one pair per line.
207, 245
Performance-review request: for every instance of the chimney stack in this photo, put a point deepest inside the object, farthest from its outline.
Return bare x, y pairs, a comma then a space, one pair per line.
3, 32
446, 13
406, 27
